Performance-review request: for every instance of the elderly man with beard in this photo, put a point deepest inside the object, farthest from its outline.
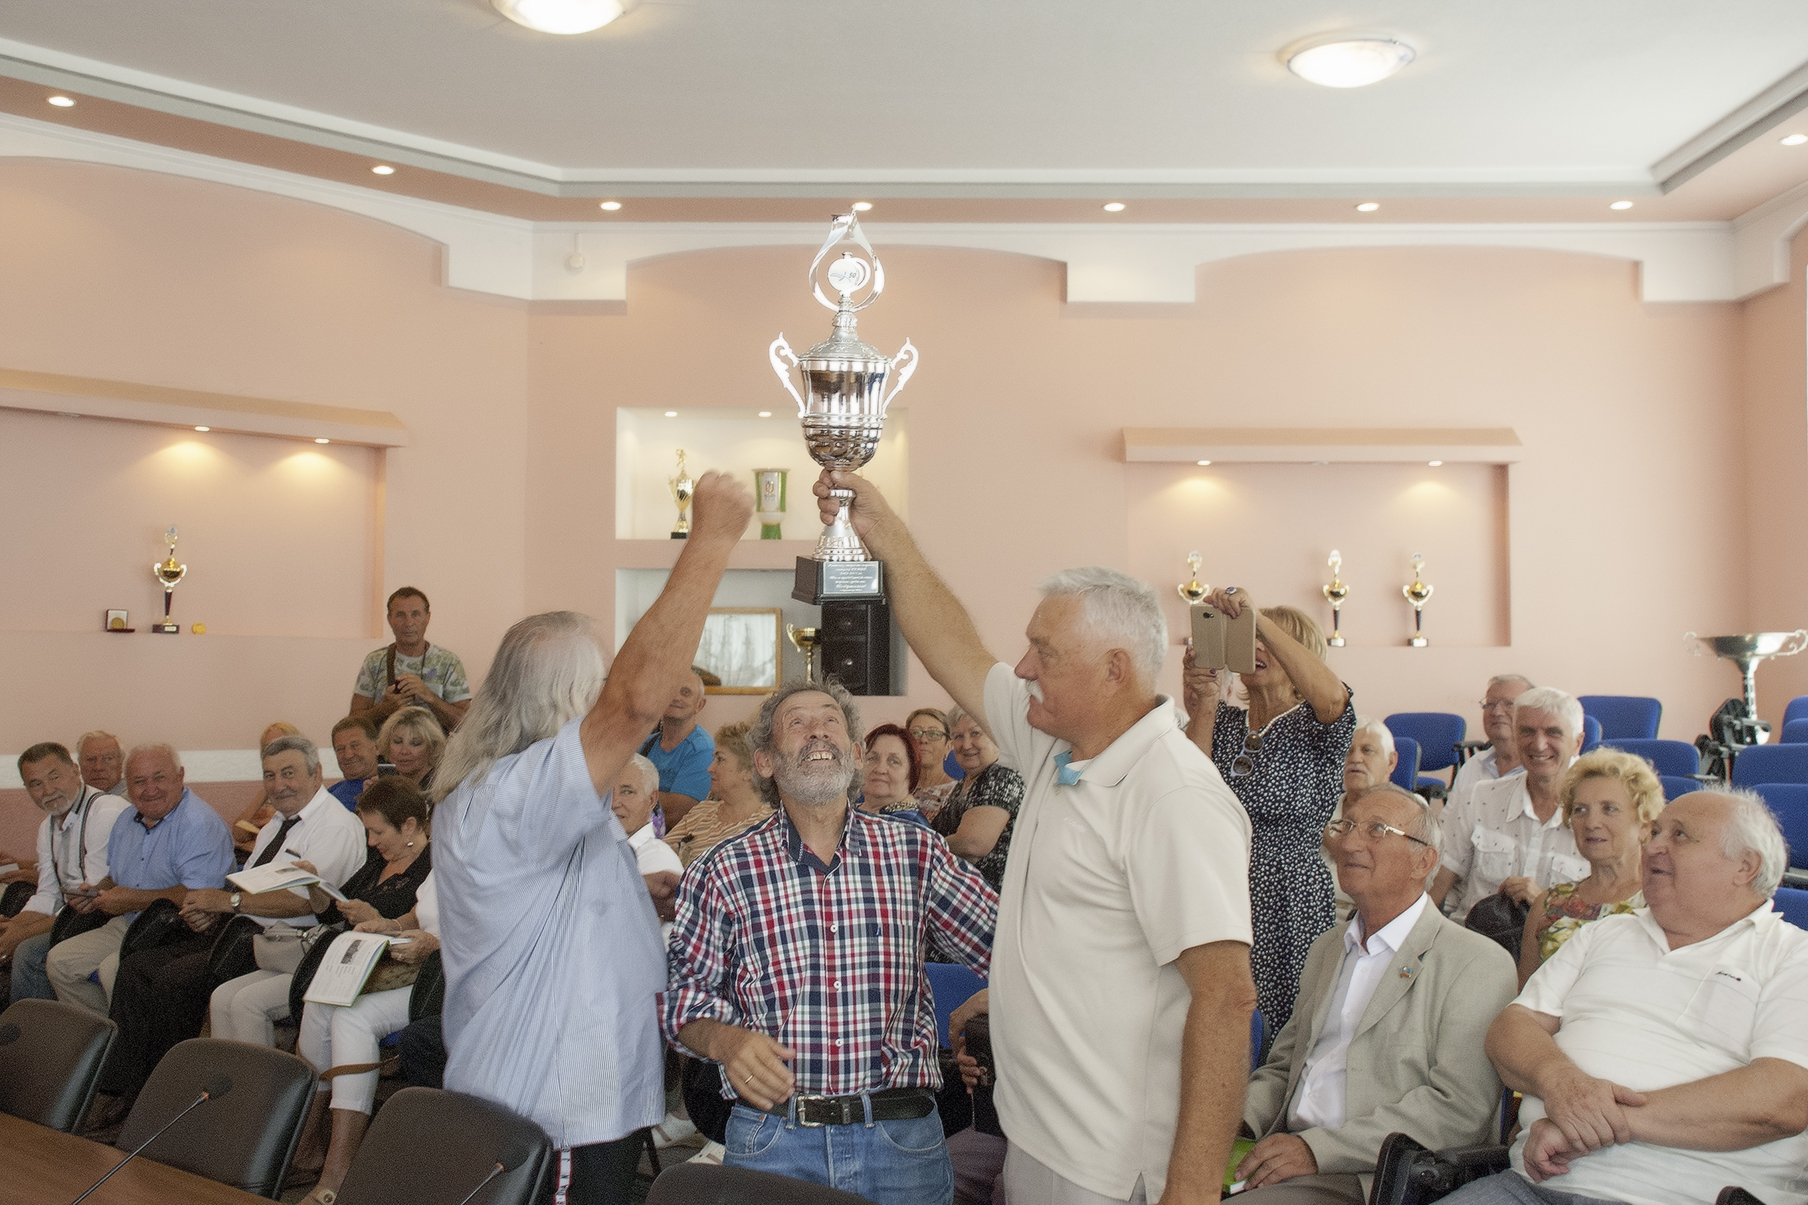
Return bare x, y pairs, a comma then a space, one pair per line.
72, 849
796, 965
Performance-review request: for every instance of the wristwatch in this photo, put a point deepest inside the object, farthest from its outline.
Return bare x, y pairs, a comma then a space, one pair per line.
234, 899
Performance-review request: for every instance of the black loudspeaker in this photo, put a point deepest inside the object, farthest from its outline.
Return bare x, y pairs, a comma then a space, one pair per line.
856, 645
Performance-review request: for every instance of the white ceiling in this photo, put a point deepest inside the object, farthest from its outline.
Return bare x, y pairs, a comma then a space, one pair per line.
1536, 95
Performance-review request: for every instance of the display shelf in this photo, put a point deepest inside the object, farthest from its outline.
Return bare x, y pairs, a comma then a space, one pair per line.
748, 554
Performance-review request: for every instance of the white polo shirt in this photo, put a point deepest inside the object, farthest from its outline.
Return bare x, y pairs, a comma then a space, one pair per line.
1107, 882
1640, 1014
72, 848
1497, 836
327, 836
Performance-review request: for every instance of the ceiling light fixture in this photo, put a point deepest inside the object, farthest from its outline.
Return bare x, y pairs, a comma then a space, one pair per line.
1344, 60
62, 102
1368, 207
1114, 207
765, 414
560, 16
611, 206
1621, 205
671, 414
203, 428
1787, 140
322, 440
862, 206
383, 169
1436, 464
1202, 463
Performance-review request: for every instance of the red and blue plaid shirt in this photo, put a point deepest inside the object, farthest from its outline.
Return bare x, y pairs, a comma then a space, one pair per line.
827, 959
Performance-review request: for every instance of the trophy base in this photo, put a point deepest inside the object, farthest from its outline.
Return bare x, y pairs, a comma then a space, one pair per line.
1418, 642
818, 582
167, 627
681, 535
1336, 642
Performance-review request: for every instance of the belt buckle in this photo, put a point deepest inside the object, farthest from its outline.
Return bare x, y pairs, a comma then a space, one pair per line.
835, 1111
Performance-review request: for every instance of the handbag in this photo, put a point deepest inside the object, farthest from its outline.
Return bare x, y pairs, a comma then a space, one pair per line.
279, 948
70, 923
1500, 919
231, 954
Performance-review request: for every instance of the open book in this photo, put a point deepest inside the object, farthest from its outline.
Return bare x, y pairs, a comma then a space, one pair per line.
347, 965
276, 876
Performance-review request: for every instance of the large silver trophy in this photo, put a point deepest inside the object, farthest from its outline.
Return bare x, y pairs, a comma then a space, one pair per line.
842, 407
1746, 652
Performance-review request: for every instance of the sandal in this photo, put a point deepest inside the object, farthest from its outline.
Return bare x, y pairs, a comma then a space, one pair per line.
320, 1196
672, 1131
711, 1153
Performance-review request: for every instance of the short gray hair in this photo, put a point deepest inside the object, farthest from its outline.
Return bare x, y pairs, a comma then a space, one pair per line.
649, 773
164, 747
1118, 608
295, 744
1503, 679
1753, 828
1425, 826
761, 740
1551, 701
956, 714
99, 734
1368, 723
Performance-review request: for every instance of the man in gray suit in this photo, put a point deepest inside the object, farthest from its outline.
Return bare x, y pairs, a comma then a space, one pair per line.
1388, 1033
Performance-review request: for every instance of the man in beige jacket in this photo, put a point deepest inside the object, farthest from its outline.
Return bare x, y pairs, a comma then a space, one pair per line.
1388, 1033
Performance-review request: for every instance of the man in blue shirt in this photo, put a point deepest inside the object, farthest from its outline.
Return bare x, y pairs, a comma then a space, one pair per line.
682, 751
172, 841
355, 747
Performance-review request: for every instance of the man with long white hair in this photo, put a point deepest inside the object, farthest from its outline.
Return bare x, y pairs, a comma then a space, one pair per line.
550, 942
1122, 958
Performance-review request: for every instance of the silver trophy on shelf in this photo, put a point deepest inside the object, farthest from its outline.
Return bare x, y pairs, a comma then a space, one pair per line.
842, 407
1746, 652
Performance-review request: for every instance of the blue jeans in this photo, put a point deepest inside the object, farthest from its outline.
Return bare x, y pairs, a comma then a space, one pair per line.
29, 979
890, 1162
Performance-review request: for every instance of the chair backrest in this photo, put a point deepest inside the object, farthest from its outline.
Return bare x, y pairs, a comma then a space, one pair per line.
952, 985
1789, 803
429, 1146
1627, 717
1770, 763
1591, 732
1438, 734
1406, 770
1797, 709
1674, 786
703, 1184
1795, 732
244, 1139
50, 1067
1679, 759
1792, 902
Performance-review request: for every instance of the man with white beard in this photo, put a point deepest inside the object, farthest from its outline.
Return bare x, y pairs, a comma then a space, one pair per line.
796, 965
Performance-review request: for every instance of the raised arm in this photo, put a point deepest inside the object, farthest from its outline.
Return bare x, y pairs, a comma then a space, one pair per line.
1323, 690
664, 643
937, 627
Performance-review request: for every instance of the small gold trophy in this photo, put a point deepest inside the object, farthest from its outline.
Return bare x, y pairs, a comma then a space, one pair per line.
1335, 593
806, 641
1195, 590
169, 573
1417, 591
682, 489
769, 490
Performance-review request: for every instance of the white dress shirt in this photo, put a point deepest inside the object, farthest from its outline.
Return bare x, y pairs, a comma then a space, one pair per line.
1483, 767
72, 848
1496, 836
326, 835
1319, 1100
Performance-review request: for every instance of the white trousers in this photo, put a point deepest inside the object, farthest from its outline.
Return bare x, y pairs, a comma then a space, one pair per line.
334, 1036
246, 1009
69, 964
1029, 1181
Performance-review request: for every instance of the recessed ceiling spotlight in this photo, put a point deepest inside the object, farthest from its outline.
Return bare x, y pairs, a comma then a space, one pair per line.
1621, 205
671, 414
1436, 464
1787, 140
765, 414
1368, 207
1344, 60
62, 102
862, 206
560, 16
611, 206
383, 169
323, 440
1202, 463
203, 428
1114, 207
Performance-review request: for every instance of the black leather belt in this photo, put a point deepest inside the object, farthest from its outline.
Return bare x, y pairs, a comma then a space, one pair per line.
892, 1104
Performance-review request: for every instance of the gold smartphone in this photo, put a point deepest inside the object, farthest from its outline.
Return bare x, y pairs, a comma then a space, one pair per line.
1220, 642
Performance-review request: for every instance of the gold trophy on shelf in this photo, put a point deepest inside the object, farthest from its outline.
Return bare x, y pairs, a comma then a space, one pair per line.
1195, 590
806, 641
682, 488
169, 573
1335, 593
1416, 592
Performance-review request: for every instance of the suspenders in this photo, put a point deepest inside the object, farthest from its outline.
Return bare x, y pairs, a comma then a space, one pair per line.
86, 806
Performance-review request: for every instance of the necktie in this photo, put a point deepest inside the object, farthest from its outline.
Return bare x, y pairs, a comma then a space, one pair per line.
270, 850
1065, 775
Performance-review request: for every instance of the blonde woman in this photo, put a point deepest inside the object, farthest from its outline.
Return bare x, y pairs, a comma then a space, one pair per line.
1610, 800
413, 742
734, 804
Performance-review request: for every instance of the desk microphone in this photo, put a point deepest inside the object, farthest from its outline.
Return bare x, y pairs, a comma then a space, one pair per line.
213, 1089
513, 1155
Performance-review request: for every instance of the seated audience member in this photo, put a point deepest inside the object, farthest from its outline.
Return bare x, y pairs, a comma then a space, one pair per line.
411, 672
1610, 800
1387, 1033
413, 742
161, 995
171, 840
1510, 837
681, 750
251, 821
981, 811
931, 730
355, 749
72, 849
103, 762
734, 805
893, 769
1369, 763
1501, 757
393, 819
635, 796
1663, 1054
811, 883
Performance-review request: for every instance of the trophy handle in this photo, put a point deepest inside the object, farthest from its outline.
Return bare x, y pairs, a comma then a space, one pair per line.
1800, 639
783, 361
903, 364
1694, 644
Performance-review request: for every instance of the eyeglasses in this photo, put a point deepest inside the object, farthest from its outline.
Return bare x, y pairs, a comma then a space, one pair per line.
1374, 830
1488, 705
1244, 763
929, 734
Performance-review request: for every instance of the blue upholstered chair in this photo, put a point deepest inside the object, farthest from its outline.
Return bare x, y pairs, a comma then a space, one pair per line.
1438, 734
952, 985
1789, 803
1674, 786
1792, 902
1406, 771
1591, 732
1797, 709
1770, 763
1675, 759
1628, 717
1795, 732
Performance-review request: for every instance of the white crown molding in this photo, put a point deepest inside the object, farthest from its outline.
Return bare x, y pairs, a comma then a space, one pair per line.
1782, 100
1761, 240
1141, 263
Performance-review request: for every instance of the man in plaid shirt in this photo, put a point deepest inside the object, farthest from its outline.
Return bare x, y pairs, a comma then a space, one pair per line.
796, 964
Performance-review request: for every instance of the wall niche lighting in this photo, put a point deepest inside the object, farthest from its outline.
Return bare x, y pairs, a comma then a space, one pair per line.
560, 16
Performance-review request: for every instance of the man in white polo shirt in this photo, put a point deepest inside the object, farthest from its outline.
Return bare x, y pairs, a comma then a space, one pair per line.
1121, 1026
1663, 1053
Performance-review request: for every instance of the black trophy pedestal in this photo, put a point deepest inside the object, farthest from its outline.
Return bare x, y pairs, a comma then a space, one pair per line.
859, 644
